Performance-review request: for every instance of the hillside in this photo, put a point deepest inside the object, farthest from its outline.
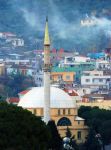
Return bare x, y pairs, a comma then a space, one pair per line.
27, 18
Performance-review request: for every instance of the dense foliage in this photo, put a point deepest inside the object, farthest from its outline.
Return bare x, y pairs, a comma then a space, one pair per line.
20, 130
72, 142
99, 122
11, 85
55, 142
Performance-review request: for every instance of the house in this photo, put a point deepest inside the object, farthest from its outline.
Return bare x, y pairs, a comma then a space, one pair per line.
16, 42
65, 77
102, 64
2, 69
77, 68
95, 79
13, 100
73, 93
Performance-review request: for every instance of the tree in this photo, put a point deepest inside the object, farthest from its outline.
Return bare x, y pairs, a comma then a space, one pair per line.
20, 129
106, 131
99, 121
55, 142
68, 133
72, 142
15, 83
92, 142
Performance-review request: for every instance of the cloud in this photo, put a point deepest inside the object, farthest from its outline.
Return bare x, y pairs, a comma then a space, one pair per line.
64, 25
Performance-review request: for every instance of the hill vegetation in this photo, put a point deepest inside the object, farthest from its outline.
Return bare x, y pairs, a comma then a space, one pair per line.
27, 18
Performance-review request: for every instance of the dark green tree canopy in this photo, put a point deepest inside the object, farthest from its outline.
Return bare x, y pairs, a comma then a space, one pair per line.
21, 130
56, 141
99, 121
11, 85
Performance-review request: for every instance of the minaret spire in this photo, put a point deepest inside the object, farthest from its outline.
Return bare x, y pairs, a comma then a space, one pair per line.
46, 36
46, 74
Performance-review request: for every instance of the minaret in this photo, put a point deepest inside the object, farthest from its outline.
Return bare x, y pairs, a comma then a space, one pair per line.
46, 74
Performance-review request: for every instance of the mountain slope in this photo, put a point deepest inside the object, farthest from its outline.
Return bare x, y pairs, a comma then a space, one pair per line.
27, 18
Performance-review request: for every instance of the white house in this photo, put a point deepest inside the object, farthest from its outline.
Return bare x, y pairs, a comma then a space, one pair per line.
72, 61
102, 65
76, 59
39, 78
95, 79
17, 42
18, 61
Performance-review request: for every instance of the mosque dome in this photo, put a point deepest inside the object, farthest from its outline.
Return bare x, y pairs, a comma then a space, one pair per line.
35, 99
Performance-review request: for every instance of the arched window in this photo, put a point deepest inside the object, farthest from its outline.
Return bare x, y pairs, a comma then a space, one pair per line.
64, 122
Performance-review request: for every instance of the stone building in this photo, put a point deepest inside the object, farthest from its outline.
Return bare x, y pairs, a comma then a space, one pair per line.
53, 103
63, 110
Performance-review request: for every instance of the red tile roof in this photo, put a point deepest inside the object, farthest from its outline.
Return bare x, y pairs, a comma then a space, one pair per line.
71, 92
24, 92
13, 100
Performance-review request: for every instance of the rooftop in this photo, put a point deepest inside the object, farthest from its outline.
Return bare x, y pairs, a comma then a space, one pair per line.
73, 69
35, 99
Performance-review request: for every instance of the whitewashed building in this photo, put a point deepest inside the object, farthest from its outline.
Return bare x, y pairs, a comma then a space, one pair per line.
102, 65
39, 78
95, 79
74, 60
17, 42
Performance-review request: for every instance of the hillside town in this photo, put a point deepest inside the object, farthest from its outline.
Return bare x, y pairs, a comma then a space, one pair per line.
55, 75
87, 78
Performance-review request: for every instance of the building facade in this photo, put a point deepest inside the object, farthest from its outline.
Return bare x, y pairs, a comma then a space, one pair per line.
2, 69
63, 111
95, 79
66, 77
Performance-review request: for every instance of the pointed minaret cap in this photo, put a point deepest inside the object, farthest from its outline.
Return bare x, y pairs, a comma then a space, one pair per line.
46, 36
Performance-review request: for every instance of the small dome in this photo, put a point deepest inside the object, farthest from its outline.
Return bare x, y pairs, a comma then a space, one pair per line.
35, 99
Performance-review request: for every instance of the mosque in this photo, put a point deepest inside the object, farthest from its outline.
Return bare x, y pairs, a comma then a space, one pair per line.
52, 103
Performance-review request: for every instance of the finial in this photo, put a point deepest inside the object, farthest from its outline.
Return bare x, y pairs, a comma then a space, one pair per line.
46, 18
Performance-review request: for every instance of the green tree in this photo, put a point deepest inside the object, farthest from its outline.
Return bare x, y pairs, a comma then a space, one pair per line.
72, 143
92, 142
99, 121
15, 83
106, 131
21, 130
56, 141
68, 133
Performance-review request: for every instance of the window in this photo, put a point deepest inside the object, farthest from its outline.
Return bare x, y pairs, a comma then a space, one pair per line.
86, 74
68, 77
59, 112
93, 80
59, 77
63, 111
100, 80
96, 74
87, 80
78, 122
108, 80
69, 112
79, 135
64, 122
